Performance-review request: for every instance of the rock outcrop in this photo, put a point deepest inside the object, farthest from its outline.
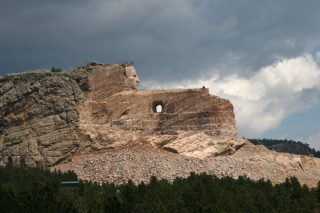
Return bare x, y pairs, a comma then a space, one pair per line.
49, 117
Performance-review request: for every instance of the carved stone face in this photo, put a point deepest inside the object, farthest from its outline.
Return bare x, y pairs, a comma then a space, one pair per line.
132, 76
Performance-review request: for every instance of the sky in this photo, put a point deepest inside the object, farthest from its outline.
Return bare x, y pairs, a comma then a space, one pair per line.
264, 56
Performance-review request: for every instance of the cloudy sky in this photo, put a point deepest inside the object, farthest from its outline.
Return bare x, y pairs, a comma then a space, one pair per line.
262, 55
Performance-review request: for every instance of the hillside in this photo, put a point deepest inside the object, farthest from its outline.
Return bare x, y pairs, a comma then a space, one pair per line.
93, 120
288, 146
139, 163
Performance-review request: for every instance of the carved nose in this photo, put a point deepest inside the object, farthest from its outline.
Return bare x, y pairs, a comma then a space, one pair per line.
137, 79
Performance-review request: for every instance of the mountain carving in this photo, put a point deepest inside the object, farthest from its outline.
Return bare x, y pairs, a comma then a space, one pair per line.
60, 119
48, 117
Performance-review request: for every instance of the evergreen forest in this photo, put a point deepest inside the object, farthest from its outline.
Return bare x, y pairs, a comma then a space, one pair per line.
39, 190
55, 69
269, 143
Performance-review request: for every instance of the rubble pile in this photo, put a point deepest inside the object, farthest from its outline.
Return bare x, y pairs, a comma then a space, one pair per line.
139, 163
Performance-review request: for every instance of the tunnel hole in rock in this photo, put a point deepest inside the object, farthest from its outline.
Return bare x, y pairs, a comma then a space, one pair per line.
158, 107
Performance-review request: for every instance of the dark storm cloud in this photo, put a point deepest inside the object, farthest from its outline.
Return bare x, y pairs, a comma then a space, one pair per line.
167, 40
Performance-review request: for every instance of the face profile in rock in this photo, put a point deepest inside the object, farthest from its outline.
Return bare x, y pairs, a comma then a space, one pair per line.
132, 76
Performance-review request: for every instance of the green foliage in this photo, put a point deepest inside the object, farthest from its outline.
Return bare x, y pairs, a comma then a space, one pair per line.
8, 140
269, 142
55, 70
23, 162
10, 162
12, 140
197, 193
316, 153
22, 177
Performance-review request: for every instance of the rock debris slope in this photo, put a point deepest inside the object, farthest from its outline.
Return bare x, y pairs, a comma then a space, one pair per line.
139, 163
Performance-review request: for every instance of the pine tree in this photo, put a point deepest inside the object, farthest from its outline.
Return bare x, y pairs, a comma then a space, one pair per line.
23, 162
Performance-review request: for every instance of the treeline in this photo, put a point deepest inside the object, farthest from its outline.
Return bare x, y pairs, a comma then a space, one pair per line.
22, 177
297, 147
270, 142
55, 69
197, 193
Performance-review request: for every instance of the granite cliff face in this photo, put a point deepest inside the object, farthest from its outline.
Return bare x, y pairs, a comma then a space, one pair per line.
48, 117
38, 119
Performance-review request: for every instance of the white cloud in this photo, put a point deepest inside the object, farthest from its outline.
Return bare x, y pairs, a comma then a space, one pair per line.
314, 141
263, 100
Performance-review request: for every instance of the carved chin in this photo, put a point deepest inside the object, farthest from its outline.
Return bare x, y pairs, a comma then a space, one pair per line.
133, 83
134, 86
